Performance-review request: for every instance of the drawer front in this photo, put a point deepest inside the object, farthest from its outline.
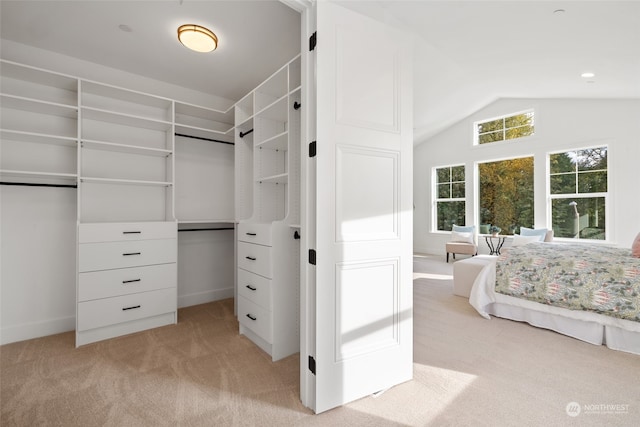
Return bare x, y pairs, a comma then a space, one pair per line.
255, 258
106, 256
254, 288
118, 231
124, 281
255, 318
110, 311
255, 233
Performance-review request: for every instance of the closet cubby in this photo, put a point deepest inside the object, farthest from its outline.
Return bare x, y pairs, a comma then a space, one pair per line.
200, 122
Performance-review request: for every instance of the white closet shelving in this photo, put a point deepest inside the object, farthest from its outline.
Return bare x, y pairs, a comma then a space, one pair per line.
38, 125
127, 244
267, 168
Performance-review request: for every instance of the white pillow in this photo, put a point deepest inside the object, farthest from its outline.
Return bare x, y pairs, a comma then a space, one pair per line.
457, 236
540, 232
524, 240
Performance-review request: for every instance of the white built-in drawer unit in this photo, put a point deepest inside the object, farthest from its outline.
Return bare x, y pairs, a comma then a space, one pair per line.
127, 278
108, 255
255, 258
126, 308
122, 281
256, 318
255, 233
254, 288
120, 231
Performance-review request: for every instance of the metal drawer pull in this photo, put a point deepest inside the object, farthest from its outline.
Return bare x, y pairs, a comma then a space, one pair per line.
251, 234
251, 258
130, 308
132, 232
130, 281
252, 317
132, 253
251, 287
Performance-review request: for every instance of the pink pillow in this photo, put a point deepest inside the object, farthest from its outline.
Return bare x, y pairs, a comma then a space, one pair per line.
635, 247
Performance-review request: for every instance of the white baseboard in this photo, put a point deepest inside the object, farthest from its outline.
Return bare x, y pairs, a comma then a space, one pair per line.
37, 329
204, 297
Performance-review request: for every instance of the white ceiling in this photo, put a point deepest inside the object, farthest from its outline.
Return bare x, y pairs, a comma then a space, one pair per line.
468, 53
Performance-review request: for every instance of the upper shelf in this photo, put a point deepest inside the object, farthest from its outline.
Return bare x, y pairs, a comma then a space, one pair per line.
125, 102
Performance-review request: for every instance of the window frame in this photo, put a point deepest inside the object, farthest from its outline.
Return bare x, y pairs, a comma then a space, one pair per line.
436, 199
504, 117
576, 195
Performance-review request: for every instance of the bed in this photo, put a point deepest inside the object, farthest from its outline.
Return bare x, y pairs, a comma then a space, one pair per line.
588, 292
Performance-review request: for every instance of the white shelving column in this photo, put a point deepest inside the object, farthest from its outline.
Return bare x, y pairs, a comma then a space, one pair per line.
268, 211
127, 233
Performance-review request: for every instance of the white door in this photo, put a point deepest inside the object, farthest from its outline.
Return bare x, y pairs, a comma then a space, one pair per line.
364, 193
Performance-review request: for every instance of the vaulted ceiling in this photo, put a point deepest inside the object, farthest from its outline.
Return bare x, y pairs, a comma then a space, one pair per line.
467, 53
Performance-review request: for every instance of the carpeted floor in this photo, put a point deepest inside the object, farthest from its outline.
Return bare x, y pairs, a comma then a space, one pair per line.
200, 372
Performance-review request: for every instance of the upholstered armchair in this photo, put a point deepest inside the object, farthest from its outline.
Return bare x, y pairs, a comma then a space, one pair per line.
463, 241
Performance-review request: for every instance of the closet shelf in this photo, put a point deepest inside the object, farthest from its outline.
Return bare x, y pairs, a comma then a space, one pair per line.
124, 119
282, 178
38, 106
276, 142
40, 138
276, 111
124, 148
93, 180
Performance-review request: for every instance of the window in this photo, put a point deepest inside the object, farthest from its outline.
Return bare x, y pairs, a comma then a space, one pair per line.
578, 187
506, 194
505, 127
450, 205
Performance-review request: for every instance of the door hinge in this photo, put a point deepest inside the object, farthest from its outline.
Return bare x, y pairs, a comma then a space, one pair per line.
312, 41
312, 365
312, 149
312, 256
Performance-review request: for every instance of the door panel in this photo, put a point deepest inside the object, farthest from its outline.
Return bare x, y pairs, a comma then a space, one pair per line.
363, 204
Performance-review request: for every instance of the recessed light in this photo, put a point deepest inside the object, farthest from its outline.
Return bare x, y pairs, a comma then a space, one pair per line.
559, 11
587, 75
125, 28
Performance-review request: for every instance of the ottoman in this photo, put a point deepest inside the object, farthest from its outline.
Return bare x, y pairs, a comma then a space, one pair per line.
465, 272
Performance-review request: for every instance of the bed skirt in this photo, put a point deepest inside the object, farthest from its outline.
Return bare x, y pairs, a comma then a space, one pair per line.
594, 328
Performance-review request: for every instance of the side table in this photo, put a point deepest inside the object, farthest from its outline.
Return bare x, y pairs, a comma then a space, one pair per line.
494, 249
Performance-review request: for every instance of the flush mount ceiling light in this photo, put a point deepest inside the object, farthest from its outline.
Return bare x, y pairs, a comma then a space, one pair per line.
197, 38
587, 75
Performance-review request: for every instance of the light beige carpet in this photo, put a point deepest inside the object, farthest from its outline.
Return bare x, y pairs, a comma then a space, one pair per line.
200, 372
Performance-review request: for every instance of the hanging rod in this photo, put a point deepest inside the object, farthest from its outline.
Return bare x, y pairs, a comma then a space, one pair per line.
205, 139
243, 134
205, 229
32, 184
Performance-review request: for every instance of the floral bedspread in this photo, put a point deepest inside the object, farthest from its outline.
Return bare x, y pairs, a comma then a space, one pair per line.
595, 278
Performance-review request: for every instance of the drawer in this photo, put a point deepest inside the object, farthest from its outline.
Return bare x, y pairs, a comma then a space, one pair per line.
110, 311
123, 281
255, 233
255, 258
117, 231
255, 318
105, 256
254, 288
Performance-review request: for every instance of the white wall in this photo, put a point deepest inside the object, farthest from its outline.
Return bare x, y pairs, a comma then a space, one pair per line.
559, 124
38, 225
